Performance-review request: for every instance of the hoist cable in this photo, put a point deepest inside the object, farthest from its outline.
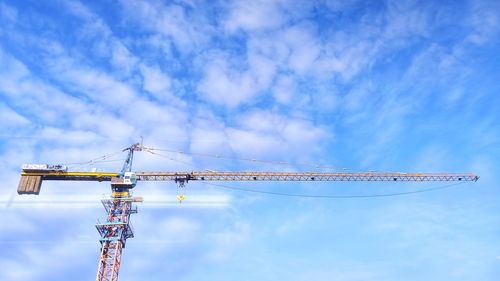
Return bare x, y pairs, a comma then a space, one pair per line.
333, 196
252, 160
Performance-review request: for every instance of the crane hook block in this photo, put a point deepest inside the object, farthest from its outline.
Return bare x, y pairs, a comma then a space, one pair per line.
181, 197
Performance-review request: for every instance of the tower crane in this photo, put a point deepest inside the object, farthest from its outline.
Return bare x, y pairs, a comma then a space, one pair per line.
117, 228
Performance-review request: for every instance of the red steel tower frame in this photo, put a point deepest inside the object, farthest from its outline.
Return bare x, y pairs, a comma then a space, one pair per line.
114, 234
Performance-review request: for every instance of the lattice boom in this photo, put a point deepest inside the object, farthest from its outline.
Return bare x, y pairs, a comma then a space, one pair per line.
310, 176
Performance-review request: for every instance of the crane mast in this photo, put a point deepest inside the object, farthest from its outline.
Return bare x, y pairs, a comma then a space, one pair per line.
117, 228
115, 231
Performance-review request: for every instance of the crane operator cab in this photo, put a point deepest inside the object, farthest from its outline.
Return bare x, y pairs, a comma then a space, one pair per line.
130, 178
121, 185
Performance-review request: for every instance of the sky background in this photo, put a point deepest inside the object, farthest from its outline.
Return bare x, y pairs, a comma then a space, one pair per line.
349, 85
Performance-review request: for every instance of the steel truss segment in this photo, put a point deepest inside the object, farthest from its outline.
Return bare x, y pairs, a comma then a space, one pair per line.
110, 203
308, 176
114, 234
259, 176
110, 260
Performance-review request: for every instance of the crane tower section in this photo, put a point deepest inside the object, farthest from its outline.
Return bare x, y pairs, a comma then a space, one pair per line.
114, 234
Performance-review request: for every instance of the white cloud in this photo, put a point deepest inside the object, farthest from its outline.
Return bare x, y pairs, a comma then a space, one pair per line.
83, 104
12, 71
65, 137
105, 124
294, 48
448, 233
407, 18
101, 87
304, 48
284, 89
259, 144
41, 102
15, 222
100, 36
156, 82
266, 134
258, 134
121, 58
17, 271
294, 225
208, 139
227, 86
184, 228
8, 13
228, 240
485, 22
340, 5
11, 118
40, 245
254, 16
187, 30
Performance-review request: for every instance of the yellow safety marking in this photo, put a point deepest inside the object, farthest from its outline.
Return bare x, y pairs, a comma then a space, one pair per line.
70, 174
119, 194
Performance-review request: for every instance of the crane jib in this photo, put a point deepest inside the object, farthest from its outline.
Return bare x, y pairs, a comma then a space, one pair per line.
31, 181
307, 176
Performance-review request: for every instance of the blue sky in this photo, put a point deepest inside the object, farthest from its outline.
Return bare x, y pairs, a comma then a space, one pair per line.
362, 85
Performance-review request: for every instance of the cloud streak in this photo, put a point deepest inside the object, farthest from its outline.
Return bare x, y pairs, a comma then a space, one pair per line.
387, 86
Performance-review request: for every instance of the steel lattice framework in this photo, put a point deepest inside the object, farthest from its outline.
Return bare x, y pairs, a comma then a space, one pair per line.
239, 176
307, 176
114, 234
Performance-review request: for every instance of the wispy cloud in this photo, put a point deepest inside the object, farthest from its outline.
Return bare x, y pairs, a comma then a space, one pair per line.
389, 85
